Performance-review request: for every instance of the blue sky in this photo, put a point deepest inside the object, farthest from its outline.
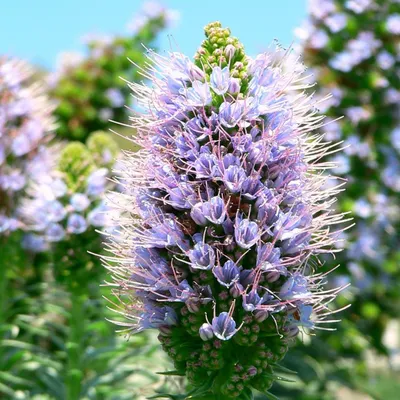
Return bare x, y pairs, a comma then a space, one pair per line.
39, 30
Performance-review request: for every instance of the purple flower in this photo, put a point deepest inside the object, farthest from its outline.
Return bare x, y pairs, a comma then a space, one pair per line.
115, 97
96, 182
393, 24
231, 113
158, 316
336, 22
234, 178
79, 202
205, 165
54, 233
246, 233
303, 316
295, 288
199, 94
228, 274
214, 210
251, 300
34, 243
221, 209
98, 217
224, 326
220, 80
197, 214
55, 211
25, 122
76, 224
202, 256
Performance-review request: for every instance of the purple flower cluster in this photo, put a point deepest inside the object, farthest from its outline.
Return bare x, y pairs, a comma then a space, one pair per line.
25, 123
224, 205
51, 211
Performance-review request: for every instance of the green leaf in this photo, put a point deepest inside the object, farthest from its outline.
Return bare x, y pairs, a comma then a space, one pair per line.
284, 369
172, 373
271, 396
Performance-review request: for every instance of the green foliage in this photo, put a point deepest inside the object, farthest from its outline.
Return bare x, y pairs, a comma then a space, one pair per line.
85, 91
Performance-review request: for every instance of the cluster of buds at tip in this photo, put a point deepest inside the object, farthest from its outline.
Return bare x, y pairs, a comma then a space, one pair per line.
222, 50
223, 213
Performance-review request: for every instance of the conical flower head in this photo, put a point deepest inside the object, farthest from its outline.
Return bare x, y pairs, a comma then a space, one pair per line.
223, 214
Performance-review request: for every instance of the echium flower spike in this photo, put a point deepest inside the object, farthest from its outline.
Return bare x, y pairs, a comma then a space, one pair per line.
353, 49
222, 210
68, 206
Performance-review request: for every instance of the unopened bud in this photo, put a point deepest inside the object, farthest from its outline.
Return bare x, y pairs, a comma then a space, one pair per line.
206, 332
230, 51
291, 331
273, 276
193, 305
261, 315
165, 330
234, 85
252, 371
236, 290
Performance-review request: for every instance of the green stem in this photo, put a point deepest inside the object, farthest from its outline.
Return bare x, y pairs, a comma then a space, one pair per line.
4, 293
74, 374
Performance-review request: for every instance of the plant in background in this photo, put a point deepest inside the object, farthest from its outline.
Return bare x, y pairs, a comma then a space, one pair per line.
25, 126
225, 211
89, 90
353, 49
63, 212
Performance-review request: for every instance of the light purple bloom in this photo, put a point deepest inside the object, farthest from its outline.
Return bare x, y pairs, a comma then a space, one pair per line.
234, 178
231, 113
295, 288
79, 202
220, 80
96, 182
98, 217
115, 97
214, 210
220, 209
393, 24
224, 326
228, 274
55, 211
336, 22
202, 256
76, 224
54, 233
358, 6
199, 94
246, 233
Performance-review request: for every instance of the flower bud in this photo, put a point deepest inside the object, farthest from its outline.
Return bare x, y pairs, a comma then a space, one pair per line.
206, 332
